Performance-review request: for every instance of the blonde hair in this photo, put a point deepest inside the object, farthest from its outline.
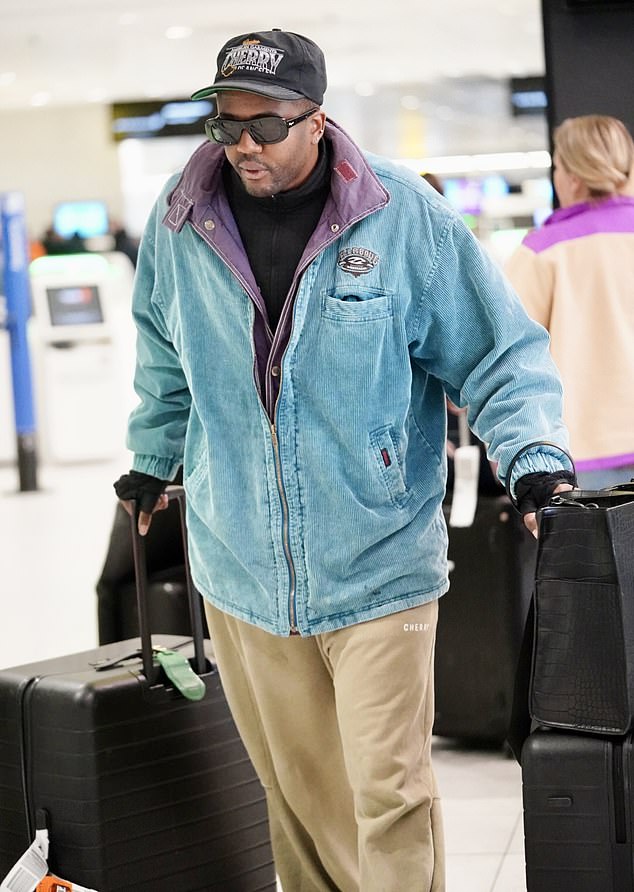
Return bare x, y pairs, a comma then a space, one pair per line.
599, 150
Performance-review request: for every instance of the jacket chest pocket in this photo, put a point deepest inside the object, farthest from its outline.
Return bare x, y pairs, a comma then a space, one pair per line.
352, 303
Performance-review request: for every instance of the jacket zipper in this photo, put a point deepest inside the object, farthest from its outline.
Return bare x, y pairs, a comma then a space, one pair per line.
337, 232
292, 601
292, 597
292, 608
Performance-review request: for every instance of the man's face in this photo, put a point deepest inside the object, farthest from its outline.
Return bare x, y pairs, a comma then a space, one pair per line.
269, 169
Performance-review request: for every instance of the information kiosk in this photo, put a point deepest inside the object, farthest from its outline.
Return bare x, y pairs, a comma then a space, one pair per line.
81, 349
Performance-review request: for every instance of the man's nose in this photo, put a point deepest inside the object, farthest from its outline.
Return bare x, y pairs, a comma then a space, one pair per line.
246, 144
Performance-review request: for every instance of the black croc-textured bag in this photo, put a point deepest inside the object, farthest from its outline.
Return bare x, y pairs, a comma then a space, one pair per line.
583, 654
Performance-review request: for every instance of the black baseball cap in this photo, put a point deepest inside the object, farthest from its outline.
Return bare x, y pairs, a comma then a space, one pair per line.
277, 64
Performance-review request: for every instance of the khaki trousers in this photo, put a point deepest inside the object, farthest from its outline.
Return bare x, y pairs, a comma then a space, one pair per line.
338, 727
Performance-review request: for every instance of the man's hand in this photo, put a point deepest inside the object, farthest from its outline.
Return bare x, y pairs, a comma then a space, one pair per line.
143, 491
533, 491
530, 520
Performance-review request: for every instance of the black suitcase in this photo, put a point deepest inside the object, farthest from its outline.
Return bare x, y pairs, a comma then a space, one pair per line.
145, 791
577, 794
480, 622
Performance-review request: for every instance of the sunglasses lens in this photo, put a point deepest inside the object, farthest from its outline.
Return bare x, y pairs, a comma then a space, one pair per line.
265, 130
268, 130
222, 131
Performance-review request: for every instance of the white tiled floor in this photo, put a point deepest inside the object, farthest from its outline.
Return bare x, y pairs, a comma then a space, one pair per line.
52, 545
482, 808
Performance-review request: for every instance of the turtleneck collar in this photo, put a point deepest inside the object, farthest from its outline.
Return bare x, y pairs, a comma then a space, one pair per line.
318, 179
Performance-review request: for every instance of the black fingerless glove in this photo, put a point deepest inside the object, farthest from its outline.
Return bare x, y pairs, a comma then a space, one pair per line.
143, 488
533, 491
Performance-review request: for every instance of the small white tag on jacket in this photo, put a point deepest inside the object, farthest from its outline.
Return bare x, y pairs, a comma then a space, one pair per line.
466, 471
31, 868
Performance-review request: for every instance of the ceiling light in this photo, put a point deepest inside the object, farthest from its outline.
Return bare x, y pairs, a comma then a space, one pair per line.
502, 161
364, 88
475, 164
7, 77
178, 32
128, 18
540, 159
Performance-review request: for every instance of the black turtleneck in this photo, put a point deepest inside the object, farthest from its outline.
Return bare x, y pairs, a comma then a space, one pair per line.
275, 229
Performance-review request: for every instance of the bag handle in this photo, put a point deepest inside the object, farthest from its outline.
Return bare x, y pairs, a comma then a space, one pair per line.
611, 496
150, 670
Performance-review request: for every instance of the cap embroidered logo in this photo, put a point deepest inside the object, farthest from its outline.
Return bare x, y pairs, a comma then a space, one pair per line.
251, 56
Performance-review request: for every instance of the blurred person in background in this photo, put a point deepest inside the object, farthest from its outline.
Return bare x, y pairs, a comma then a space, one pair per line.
433, 180
304, 309
575, 276
54, 243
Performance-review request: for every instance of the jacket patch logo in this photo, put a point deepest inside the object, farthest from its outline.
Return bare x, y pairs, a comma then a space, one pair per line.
357, 261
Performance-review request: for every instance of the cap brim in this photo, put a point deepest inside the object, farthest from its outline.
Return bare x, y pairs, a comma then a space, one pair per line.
248, 86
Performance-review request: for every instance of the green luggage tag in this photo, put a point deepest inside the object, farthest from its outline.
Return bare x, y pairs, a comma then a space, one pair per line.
180, 673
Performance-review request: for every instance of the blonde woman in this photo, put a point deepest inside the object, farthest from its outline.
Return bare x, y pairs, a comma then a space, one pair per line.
575, 276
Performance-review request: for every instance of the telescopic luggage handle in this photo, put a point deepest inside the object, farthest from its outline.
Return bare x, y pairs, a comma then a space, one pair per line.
174, 493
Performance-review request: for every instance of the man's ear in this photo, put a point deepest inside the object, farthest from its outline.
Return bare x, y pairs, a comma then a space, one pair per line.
318, 123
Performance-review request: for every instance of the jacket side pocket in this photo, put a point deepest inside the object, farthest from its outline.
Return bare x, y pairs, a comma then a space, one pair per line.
386, 454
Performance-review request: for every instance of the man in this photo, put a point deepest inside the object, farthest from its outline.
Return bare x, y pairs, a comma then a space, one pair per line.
303, 312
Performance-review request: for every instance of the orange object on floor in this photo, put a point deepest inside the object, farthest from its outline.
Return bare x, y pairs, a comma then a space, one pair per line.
54, 884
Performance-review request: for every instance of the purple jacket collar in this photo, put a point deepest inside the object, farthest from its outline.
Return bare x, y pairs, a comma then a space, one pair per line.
613, 214
583, 206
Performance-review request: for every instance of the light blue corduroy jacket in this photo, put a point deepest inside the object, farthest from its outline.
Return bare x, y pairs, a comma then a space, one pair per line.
314, 459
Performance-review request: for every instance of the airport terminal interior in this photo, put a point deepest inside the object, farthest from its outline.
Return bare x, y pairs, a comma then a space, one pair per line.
91, 129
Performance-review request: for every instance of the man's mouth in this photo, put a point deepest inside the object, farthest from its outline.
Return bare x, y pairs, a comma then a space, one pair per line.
252, 171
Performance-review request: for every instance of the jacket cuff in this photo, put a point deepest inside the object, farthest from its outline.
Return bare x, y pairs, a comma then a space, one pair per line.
540, 457
157, 466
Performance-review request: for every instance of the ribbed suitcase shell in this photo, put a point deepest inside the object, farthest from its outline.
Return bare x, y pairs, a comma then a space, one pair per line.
577, 792
145, 791
480, 622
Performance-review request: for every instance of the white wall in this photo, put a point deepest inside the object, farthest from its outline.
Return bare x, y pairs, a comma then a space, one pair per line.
57, 154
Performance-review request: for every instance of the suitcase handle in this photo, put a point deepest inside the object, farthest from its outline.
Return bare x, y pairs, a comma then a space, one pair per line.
150, 670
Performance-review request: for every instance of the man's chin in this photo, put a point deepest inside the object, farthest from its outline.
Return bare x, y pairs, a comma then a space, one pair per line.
258, 190
258, 186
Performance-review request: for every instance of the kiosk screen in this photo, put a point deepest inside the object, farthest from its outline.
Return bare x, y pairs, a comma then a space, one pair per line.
83, 218
74, 305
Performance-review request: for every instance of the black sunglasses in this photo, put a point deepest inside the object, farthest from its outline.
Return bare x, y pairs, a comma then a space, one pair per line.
264, 130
